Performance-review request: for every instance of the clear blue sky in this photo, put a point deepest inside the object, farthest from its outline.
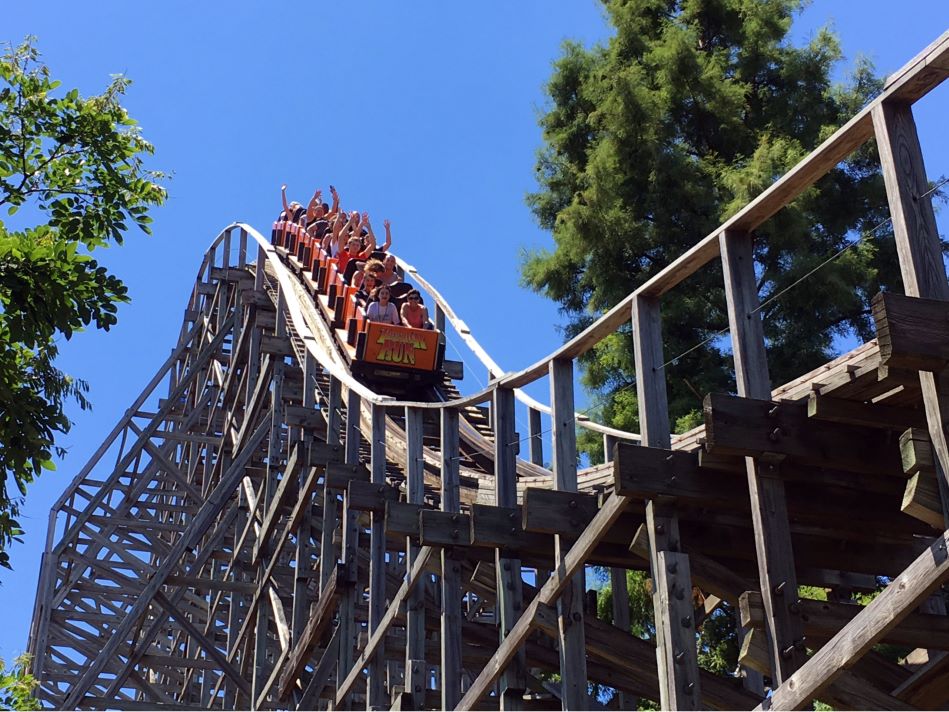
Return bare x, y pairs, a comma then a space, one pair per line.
421, 112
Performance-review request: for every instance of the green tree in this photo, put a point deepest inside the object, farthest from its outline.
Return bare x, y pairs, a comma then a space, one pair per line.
72, 169
17, 685
652, 140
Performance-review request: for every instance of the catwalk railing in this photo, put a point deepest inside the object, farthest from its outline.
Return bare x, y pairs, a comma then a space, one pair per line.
273, 533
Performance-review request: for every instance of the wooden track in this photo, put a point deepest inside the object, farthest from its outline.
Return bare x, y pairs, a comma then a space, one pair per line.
261, 530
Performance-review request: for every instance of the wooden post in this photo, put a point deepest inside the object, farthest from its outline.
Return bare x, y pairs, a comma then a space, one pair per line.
301, 602
783, 625
334, 404
509, 584
919, 250
535, 441
415, 605
572, 645
242, 250
451, 570
618, 585
676, 654
375, 685
226, 252
347, 606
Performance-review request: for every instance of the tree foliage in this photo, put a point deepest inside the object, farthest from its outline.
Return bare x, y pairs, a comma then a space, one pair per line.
72, 178
716, 640
17, 686
652, 140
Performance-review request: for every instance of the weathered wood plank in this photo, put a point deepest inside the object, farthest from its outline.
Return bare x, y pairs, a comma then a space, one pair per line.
548, 511
868, 415
883, 614
679, 684
371, 496
912, 332
444, 528
918, 247
377, 637
402, 519
578, 554
753, 427
508, 569
450, 625
570, 614
321, 616
375, 685
637, 657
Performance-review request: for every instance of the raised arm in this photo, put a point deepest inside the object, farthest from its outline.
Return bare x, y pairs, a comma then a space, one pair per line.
335, 209
388, 243
315, 202
283, 196
370, 235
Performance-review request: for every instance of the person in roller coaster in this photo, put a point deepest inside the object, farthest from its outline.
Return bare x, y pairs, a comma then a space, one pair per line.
293, 211
319, 214
355, 247
389, 275
381, 309
414, 313
364, 294
370, 267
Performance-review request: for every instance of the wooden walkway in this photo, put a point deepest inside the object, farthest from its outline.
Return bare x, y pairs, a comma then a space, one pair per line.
262, 531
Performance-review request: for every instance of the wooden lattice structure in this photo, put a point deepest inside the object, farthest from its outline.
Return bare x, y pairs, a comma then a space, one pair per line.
263, 531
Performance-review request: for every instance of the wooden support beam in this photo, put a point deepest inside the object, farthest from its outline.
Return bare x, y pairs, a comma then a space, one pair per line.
679, 683
375, 685
377, 637
884, 613
320, 619
919, 249
618, 581
350, 552
450, 623
415, 605
334, 421
548, 511
444, 528
868, 415
210, 649
570, 614
824, 619
190, 537
509, 585
736, 425
321, 674
611, 510
402, 519
501, 527
637, 657
371, 496
912, 332
535, 439
766, 494
286, 488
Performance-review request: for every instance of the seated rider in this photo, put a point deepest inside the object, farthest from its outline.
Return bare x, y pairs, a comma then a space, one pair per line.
364, 293
381, 309
414, 313
390, 276
354, 248
373, 266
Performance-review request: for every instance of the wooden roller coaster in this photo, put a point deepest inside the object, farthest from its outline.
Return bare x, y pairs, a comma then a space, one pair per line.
263, 530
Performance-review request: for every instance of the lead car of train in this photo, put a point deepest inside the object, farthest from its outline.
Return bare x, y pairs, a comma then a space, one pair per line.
393, 358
